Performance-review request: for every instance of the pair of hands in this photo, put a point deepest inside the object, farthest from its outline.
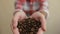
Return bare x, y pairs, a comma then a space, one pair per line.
37, 15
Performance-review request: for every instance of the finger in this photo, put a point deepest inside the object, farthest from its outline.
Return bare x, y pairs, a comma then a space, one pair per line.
43, 23
43, 29
15, 18
34, 17
40, 31
23, 17
30, 17
26, 17
14, 21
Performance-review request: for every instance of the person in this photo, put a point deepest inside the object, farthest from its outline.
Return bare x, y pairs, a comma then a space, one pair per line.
37, 9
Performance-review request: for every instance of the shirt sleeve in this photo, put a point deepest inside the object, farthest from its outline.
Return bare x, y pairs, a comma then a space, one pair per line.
44, 8
18, 5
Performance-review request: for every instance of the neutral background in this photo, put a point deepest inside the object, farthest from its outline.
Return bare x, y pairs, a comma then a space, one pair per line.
7, 9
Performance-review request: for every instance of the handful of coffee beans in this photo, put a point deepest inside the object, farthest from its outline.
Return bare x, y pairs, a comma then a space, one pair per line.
29, 26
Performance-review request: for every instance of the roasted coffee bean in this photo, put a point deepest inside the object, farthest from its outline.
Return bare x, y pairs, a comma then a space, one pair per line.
29, 26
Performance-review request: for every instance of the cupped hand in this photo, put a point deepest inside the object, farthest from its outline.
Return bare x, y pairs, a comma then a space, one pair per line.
19, 16
39, 16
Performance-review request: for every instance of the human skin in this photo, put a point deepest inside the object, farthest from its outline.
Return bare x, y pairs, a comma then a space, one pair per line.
17, 16
41, 17
38, 15
21, 16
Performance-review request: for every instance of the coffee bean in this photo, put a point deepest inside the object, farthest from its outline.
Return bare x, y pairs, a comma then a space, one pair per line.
29, 26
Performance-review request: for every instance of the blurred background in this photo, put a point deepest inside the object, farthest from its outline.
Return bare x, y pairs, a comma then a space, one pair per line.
7, 9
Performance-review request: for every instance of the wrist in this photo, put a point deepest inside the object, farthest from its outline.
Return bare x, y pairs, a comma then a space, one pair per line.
41, 12
16, 11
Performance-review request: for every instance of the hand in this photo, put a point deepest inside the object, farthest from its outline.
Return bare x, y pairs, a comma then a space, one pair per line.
36, 15
18, 16
41, 17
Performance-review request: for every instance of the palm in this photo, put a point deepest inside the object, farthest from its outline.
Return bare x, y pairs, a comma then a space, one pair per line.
20, 16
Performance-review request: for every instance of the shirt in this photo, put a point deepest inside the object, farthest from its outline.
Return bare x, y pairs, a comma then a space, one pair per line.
30, 6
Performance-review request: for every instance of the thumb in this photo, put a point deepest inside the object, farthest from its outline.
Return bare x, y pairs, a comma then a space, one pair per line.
34, 18
30, 17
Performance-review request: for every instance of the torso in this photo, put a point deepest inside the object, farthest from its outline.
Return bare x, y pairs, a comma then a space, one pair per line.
30, 7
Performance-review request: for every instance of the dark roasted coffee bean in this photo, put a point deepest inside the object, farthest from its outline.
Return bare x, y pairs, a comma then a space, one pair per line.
29, 26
